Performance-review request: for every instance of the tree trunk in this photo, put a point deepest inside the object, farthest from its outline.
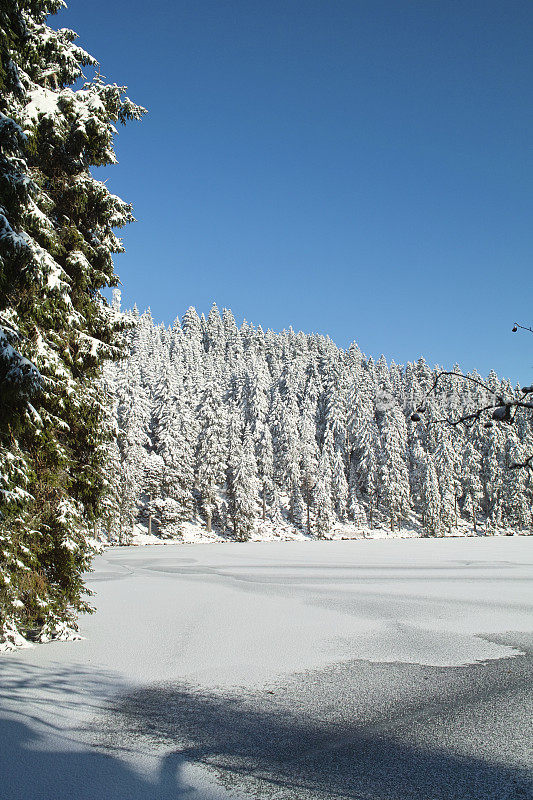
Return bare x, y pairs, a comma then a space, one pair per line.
355, 523
208, 525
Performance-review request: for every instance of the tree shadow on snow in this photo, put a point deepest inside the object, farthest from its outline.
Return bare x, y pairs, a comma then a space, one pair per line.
42, 757
276, 752
252, 744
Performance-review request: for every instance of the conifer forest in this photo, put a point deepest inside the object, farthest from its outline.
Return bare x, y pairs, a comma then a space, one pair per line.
241, 430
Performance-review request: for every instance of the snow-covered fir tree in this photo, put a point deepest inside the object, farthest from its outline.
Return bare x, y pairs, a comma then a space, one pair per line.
472, 489
322, 493
394, 475
265, 468
431, 499
243, 489
211, 456
56, 244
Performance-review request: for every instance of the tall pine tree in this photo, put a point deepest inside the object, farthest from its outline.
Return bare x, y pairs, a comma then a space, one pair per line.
56, 247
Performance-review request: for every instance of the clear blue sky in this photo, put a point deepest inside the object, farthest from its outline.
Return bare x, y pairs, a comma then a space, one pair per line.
360, 169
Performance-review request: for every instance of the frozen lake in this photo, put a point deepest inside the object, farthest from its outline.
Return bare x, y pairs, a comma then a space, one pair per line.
387, 670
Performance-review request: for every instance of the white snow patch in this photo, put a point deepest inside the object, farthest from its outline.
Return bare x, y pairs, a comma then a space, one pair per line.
43, 101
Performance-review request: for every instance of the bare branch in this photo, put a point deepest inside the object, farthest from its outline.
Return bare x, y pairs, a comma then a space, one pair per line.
527, 464
523, 327
502, 410
457, 375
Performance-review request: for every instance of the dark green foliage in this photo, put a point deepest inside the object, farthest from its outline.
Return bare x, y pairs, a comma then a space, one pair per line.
56, 329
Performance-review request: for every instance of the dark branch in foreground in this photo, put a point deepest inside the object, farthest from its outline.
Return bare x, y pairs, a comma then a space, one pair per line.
523, 327
527, 464
502, 410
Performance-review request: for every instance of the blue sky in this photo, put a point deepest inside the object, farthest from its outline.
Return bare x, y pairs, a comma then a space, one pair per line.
359, 169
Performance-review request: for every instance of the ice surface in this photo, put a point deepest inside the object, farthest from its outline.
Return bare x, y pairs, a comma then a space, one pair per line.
188, 639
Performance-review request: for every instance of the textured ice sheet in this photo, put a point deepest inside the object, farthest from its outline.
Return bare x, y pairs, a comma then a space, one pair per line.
230, 614
363, 669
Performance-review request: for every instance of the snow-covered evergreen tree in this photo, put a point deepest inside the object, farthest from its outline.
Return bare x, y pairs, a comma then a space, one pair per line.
173, 438
516, 499
210, 451
356, 509
339, 485
324, 517
242, 493
491, 447
445, 459
265, 466
431, 499
56, 247
393, 469
472, 488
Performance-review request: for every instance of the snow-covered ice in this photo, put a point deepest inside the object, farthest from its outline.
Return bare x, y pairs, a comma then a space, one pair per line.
230, 670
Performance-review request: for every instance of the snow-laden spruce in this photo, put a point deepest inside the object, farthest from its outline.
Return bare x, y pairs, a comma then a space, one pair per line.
243, 431
56, 246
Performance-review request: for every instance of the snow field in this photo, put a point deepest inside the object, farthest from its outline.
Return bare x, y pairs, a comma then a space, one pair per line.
201, 657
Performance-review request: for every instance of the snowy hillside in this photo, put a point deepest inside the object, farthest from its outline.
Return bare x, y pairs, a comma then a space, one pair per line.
237, 433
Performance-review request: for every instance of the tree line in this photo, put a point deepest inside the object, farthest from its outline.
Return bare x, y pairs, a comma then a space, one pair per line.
231, 427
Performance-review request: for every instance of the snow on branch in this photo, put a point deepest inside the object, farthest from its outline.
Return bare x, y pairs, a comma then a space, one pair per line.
18, 368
